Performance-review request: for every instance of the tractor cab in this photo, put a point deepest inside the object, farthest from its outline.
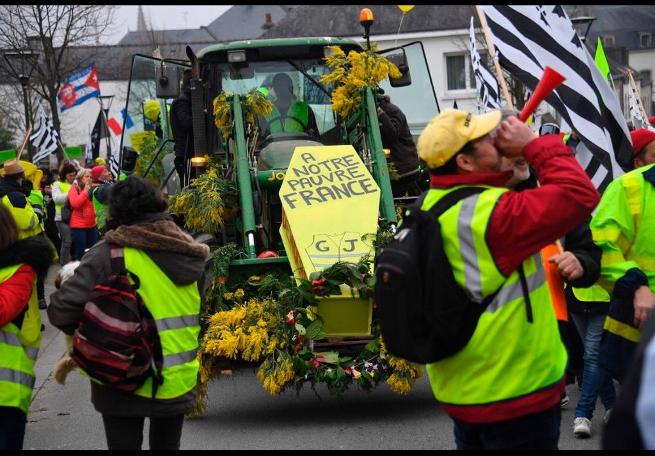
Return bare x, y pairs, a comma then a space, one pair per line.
255, 150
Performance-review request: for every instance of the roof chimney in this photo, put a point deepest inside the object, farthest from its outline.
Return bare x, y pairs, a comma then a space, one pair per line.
269, 21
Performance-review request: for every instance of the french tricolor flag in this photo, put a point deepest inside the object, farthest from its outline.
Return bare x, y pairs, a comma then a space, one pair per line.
79, 87
115, 125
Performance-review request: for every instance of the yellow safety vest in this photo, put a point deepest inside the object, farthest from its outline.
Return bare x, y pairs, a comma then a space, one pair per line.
623, 227
176, 311
295, 120
18, 350
26, 220
507, 356
64, 187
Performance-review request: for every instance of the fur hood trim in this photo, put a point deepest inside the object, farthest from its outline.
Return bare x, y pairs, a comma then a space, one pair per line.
157, 236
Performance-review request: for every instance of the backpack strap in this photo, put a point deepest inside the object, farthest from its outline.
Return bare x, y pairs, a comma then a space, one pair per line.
117, 257
452, 198
446, 203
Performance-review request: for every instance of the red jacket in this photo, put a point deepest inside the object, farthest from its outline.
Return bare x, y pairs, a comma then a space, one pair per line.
524, 222
520, 225
15, 293
83, 214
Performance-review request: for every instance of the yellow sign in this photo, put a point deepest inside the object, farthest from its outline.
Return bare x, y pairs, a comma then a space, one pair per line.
329, 201
406, 8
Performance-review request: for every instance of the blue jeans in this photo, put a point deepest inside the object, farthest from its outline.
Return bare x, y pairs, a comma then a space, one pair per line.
595, 381
539, 431
83, 238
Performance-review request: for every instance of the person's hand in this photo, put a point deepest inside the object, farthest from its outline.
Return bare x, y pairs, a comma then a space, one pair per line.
644, 302
512, 136
568, 264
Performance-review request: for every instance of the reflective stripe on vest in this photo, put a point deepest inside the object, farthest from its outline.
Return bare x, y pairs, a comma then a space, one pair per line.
18, 351
295, 120
508, 356
176, 310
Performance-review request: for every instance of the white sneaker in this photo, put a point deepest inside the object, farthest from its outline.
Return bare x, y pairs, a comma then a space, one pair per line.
582, 427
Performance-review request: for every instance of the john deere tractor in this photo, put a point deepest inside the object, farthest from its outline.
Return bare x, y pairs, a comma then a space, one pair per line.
304, 196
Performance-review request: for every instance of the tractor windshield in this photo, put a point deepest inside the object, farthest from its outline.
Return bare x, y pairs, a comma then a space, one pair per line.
304, 76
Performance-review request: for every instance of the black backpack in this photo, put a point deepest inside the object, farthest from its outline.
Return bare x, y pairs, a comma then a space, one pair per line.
424, 314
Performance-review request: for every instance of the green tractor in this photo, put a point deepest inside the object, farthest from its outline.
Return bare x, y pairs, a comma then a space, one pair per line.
258, 158
260, 164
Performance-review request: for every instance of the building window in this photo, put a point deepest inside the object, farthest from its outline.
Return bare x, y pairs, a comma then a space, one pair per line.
645, 76
645, 39
609, 40
456, 71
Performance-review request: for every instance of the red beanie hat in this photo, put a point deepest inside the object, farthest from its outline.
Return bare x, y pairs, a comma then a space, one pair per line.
640, 139
96, 171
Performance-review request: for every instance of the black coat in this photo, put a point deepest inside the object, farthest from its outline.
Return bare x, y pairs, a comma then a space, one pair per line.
397, 138
578, 241
182, 125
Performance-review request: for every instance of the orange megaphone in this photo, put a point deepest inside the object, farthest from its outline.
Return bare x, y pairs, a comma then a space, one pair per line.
549, 81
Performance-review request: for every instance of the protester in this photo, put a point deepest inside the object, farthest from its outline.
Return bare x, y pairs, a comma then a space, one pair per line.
60, 190
632, 423
83, 218
182, 127
100, 188
13, 196
491, 240
643, 147
50, 223
623, 228
20, 325
289, 113
398, 139
169, 266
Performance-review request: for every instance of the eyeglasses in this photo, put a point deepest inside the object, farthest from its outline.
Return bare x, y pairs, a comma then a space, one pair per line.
548, 128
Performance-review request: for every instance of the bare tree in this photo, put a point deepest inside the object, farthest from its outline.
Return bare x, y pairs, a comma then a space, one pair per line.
51, 30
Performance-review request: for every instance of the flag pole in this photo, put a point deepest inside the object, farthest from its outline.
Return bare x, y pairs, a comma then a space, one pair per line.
633, 87
24, 143
492, 52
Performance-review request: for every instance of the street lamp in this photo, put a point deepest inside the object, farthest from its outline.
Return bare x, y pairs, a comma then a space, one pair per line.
21, 66
582, 24
105, 104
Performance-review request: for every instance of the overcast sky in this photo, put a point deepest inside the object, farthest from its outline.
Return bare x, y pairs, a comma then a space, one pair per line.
163, 17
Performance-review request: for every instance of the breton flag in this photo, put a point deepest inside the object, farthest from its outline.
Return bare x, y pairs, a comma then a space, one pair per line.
79, 87
636, 115
529, 37
44, 138
485, 81
114, 166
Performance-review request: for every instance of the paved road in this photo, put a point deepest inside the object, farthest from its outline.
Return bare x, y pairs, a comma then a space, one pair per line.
241, 415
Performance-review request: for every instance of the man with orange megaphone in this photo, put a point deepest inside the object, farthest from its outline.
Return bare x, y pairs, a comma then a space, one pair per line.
503, 388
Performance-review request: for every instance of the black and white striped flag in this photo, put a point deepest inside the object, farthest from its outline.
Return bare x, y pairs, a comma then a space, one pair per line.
485, 81
114, 167
637, 117
44, 138
530, 37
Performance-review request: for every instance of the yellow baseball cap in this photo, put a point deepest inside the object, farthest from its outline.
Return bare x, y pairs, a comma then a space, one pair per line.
449, 131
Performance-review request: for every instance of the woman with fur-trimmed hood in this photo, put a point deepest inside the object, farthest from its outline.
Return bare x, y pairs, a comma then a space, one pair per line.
170, 268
